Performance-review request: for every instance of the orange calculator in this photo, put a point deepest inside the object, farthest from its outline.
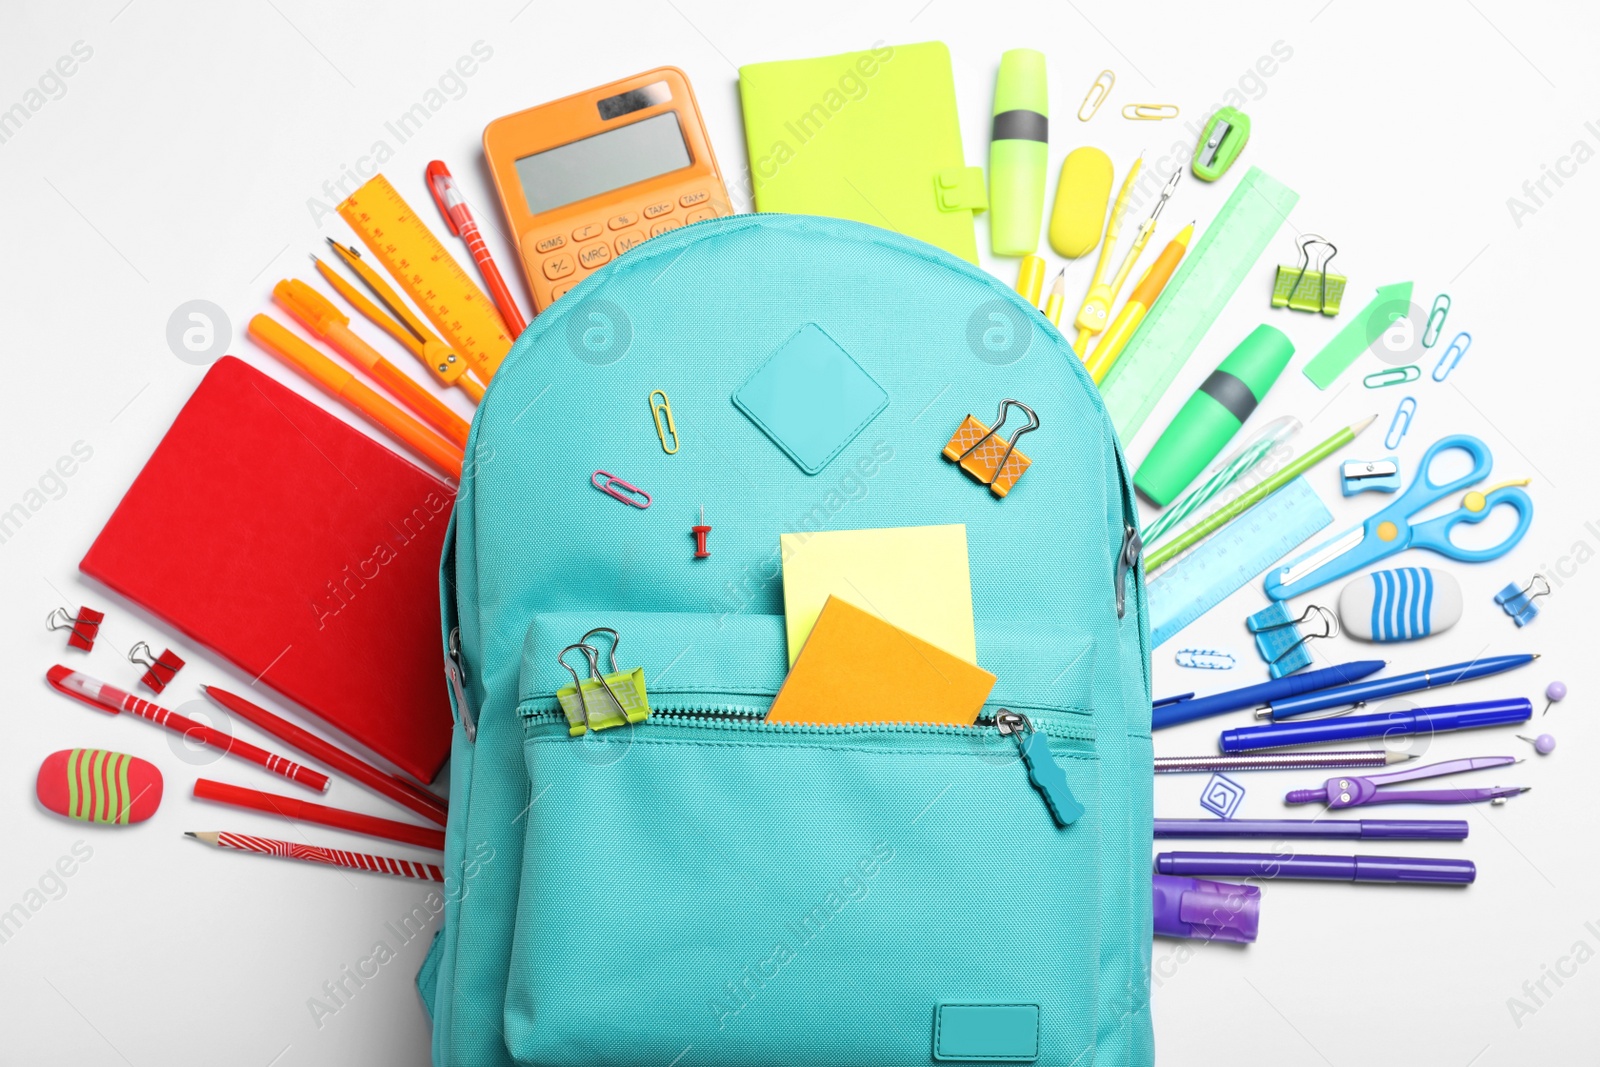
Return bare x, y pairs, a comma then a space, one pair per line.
585, 178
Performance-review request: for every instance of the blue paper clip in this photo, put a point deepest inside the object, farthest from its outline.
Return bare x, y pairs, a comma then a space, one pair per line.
1279, 640
1452, 356
1204, 659
1519, 602
1393, 376
1436, 317
1222, 796
1401, 423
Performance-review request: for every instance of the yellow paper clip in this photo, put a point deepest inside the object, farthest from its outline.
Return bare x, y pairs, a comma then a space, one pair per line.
1096, 95
667, 429
1149, 112
992, 462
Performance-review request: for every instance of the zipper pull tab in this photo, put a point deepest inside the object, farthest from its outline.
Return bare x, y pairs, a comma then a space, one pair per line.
1043, 770
1132, 546
453, 672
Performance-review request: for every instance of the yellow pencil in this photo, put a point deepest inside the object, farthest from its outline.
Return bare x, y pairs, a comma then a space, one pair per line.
1057, 299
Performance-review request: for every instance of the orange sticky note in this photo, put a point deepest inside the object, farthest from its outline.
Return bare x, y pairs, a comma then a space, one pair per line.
856, 668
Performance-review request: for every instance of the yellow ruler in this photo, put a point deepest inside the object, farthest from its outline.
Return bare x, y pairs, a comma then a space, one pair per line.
414, 258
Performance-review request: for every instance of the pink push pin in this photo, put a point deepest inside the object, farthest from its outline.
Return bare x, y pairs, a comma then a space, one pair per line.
1544, 744
1554, 693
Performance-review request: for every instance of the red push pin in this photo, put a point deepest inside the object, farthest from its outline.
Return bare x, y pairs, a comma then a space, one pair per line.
701, 532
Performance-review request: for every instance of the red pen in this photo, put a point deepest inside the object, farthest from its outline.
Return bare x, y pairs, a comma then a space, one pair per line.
98, 694
453, 206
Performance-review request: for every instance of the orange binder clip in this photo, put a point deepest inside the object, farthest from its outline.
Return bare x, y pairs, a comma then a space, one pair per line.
982, 454
159, 670
84, 629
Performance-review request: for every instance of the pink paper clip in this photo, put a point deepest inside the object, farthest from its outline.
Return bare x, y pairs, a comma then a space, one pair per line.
618, 489
159, 670
84, 629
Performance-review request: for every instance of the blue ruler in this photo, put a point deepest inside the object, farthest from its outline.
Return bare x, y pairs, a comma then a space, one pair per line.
1229, 559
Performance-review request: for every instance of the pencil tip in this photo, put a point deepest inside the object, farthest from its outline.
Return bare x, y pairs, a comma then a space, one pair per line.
190, 833
1364, 423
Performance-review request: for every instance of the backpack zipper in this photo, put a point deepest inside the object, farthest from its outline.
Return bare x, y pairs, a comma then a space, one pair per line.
453, 671
1127, 559
1044, 773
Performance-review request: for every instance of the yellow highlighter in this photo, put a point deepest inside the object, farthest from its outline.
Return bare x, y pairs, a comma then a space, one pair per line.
1133, 312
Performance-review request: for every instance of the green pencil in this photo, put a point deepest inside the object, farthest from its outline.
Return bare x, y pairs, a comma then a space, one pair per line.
1226, 514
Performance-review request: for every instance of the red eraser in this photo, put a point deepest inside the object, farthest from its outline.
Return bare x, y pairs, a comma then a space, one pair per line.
93, 785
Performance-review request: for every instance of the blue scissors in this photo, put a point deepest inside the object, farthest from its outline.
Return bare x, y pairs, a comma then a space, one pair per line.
1391, 530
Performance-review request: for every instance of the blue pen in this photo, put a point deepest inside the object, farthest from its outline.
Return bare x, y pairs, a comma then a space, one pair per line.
1379, 688
1384, 724
1187, 708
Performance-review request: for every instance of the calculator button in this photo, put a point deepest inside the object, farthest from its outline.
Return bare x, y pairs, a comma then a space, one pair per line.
662, 227
691, 199
703, 213
561, 290
628, 240
657, 210
550, 244
623, 221
559, 266
586, 233
593, 255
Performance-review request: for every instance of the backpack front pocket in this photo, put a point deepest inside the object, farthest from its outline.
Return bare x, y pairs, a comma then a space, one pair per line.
708, 888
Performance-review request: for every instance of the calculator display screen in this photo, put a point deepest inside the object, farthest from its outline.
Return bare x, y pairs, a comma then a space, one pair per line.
571, 172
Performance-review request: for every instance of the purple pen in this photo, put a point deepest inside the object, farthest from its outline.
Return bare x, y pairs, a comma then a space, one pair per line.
1417, 869
1370, 829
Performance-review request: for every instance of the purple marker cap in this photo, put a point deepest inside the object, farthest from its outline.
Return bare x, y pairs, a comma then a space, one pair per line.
1207, 911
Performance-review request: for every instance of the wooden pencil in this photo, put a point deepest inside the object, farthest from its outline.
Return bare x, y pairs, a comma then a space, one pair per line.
333, 857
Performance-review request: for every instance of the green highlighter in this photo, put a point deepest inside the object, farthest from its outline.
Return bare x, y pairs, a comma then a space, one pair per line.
1019, 153
1213, 415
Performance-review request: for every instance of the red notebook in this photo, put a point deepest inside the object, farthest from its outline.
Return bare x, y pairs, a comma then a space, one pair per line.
300, 550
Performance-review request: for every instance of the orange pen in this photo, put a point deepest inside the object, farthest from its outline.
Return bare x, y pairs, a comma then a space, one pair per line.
343, 386
1132, 314
317, 314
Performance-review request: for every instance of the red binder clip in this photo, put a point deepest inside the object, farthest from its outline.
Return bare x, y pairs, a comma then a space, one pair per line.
159, 670
85, 628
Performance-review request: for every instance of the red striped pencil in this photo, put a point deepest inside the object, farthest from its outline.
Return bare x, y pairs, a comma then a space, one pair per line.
305, 811
98, 694
333, 857
395, 788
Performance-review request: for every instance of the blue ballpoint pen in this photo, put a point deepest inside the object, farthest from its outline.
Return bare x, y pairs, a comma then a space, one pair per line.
1383, 724
1187, 708
1379, 688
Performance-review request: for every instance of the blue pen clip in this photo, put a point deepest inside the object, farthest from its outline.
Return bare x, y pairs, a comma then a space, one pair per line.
1169, 701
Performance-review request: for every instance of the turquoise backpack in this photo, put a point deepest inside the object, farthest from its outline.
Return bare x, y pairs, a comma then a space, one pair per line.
707, 888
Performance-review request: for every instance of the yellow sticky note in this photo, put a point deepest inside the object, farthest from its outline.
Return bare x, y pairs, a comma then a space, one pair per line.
912, 577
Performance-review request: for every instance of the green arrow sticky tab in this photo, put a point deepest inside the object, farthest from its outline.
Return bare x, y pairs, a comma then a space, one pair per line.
1392, 302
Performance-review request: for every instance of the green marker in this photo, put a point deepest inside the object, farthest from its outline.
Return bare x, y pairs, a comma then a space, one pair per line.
1213, 415
1019, 152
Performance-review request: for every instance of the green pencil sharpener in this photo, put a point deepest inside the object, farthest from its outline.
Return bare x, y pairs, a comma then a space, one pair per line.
1226, 133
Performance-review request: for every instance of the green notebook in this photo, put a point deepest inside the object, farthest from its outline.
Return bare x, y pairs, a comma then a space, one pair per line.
871, 136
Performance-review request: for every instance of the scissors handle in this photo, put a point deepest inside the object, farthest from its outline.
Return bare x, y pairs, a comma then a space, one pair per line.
1424, 491
1434, 535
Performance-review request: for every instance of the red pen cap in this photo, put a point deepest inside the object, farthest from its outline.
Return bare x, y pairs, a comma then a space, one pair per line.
439, 180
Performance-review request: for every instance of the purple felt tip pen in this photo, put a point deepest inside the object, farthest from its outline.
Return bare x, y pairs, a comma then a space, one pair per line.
1418, 869
1370, 829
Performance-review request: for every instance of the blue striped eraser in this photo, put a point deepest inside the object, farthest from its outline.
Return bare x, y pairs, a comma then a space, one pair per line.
1402, 604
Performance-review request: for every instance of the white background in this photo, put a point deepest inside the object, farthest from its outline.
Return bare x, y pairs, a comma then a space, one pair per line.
182, 161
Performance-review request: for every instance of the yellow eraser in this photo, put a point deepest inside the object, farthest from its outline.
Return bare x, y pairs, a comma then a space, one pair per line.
1081, 198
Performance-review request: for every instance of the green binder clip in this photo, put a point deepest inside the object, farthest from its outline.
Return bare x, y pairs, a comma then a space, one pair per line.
1310, 286
601, 700
1220, 143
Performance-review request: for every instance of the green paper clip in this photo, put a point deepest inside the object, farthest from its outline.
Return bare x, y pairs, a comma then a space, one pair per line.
1393, 376
1436, 317
1220, 143
601, 701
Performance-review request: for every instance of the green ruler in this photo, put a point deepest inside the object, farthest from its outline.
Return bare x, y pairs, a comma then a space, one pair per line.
1194, 297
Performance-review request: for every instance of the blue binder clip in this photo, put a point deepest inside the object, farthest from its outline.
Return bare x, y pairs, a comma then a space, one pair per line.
1519, 602
1279, 640
1360, 475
